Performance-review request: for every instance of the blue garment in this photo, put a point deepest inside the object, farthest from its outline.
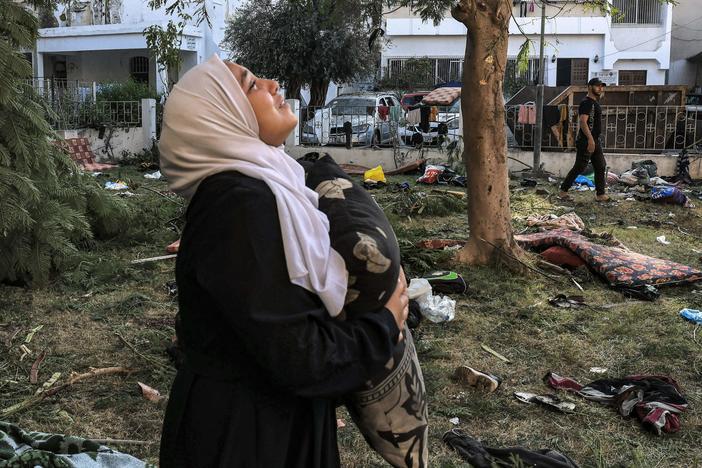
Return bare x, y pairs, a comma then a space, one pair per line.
692, 315
581, 179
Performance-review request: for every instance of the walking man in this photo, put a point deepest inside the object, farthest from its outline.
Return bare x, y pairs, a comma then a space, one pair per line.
587, 143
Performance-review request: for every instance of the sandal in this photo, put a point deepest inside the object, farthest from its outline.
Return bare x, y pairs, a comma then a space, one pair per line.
480, 380
564, 197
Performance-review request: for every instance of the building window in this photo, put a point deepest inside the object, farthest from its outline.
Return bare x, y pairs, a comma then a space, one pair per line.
632, 77
637, 12
572, 71
440, 70
139, 69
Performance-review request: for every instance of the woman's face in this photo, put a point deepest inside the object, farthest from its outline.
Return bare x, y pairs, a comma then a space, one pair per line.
275, 118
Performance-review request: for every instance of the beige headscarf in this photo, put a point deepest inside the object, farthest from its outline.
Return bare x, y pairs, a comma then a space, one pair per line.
209, 126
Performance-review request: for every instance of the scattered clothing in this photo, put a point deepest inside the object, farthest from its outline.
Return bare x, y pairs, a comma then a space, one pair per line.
549, 401
682, 168
527, 114
650, 167
567, 221
551, 116
413, 117
669, 195
612, 178
20, 448
480, 456
655, 400
692, 315
582, 158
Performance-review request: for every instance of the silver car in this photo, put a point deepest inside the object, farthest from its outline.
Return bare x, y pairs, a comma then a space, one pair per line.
369, 116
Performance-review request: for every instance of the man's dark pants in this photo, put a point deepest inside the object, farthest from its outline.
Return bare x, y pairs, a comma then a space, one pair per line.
582, 157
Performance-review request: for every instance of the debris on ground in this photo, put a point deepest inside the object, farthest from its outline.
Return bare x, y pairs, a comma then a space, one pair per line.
439, 243
118, 185
568, 221
31, 448
655, 400
149, 393
481, 380
692, 315
663, 240
499, 356
446, 282
565, 302
480, 456
549, 401
153, 175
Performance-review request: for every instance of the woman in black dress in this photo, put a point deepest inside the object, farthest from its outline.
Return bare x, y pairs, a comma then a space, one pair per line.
258, 285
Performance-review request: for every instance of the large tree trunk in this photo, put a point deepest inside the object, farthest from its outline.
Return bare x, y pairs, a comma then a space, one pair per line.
485, 147
292, 89
318, 93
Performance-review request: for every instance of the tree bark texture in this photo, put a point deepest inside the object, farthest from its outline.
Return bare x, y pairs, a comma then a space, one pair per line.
318, 92
485, 146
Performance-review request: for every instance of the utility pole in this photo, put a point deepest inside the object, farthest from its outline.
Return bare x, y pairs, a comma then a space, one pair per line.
538, 130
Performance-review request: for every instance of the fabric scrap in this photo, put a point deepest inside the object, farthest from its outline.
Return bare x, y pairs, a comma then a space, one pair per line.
19, 448
480, 456
655, 400
568, 221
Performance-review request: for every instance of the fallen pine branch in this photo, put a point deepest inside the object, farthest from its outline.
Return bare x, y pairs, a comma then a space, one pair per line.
48, 388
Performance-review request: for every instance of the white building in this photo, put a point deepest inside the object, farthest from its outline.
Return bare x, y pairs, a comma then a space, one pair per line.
102, 40
631, 48
686, 45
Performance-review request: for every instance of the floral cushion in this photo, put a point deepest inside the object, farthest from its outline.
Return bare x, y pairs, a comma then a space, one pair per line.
618, 266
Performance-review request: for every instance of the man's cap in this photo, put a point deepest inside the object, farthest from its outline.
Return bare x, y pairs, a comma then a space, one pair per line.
596, 82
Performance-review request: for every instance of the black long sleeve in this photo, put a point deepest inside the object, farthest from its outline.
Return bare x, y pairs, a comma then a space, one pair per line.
233, 251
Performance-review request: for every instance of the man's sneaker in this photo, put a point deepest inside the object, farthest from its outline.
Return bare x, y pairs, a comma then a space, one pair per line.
603, 198
469, 376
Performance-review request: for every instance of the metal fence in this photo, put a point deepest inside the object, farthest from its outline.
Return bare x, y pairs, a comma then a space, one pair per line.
53, 89
381, 126
69, 114
624, 128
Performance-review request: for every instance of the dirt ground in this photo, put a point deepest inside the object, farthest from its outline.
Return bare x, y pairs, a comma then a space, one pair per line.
108, 312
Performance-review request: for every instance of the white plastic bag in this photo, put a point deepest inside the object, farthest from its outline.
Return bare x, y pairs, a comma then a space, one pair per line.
437, 308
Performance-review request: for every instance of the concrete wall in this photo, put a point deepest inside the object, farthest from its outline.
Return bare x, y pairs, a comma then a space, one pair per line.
116, 144
123, 140
557, 163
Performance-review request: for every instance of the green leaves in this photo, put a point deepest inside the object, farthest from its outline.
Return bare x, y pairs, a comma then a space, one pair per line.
47, 207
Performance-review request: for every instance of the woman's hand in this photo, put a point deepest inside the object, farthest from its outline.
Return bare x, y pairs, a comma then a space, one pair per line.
398, 303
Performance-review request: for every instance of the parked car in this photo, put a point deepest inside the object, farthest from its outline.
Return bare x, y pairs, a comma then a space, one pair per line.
439, 133
368, 115
410, 100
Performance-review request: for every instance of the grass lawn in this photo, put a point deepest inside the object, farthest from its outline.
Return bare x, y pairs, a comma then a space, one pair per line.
106, 312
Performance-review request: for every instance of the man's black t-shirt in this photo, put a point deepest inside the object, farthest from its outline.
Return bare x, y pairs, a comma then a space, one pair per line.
592, 109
